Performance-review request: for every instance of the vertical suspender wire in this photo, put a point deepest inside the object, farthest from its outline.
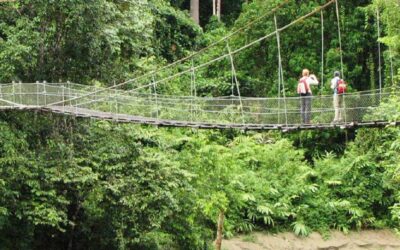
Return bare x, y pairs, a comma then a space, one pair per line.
191, 91
116, 102
341, 55
194, 88
236, 81
322, 49
322, 59
391, 66
340, 38
390, 51
279, 72
379, 53
278, 39
191, 94
155, 95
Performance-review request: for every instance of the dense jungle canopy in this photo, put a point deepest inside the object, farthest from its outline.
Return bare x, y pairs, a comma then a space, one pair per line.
69, 183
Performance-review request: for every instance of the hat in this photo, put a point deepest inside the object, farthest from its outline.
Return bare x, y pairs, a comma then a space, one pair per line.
337, 73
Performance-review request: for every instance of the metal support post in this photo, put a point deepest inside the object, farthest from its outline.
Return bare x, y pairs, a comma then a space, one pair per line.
116, 102
13, 91
37, 93
63, 97
20, 92
155, 95
45, 93
69, 92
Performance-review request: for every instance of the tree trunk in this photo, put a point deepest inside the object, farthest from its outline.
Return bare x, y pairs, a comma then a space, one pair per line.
219, 7
214, 7
194, 10
220, 228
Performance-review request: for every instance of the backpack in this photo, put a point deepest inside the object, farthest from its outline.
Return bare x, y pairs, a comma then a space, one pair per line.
302, 87
341, 86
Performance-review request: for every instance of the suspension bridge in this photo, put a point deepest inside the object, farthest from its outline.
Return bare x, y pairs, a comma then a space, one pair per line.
145, 105
359, 108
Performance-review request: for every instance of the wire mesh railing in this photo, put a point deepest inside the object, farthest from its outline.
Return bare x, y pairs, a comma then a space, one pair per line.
120, 105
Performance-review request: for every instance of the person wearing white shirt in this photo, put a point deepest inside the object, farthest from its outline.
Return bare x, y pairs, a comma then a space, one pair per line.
305, 92
337, 98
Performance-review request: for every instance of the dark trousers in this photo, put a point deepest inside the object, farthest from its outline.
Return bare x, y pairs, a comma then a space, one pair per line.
305, 103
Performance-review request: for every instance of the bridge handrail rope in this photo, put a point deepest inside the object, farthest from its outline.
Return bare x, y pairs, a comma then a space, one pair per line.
227, 105
161, 98
220, 57
206, 102
238, 112
174, 97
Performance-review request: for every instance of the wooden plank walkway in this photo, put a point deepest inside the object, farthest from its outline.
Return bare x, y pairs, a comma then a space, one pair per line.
123, 118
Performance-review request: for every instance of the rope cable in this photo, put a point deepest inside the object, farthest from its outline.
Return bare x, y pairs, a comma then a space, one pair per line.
243, 47
220, 57
249, 24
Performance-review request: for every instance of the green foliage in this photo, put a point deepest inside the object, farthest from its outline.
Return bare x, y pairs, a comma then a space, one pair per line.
84, 41
83, 184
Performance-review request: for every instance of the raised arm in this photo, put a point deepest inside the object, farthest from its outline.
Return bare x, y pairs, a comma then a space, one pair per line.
312, 80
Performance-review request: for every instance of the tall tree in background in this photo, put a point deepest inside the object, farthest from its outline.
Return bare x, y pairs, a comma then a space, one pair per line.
194, 10
217, 9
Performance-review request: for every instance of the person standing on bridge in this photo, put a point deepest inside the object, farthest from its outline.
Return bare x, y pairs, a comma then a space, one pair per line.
339, 88
305, 92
